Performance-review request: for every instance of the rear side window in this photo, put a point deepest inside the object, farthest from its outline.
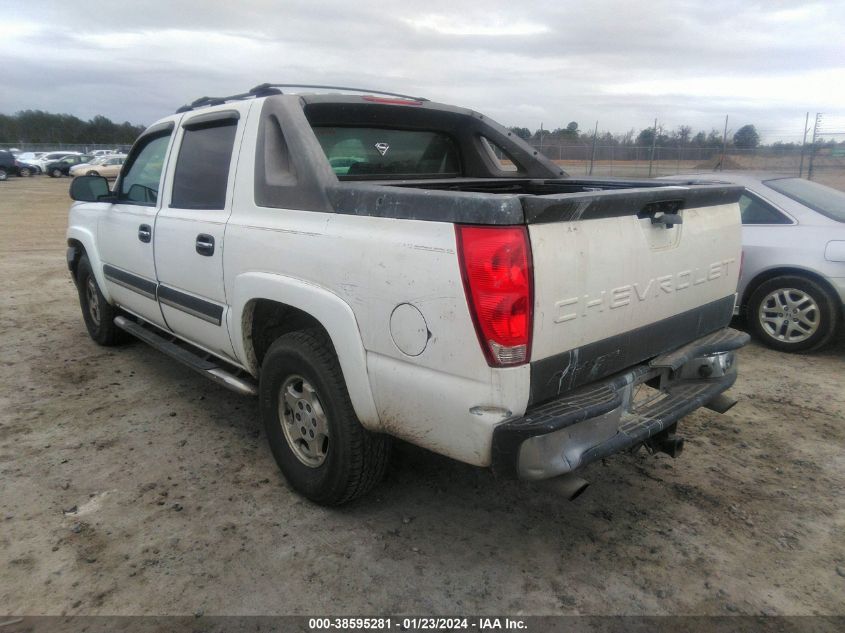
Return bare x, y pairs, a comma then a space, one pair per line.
372, 153
202, 168
755, 211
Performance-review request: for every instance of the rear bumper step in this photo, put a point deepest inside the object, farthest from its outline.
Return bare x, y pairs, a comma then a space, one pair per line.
611, 416
201, 362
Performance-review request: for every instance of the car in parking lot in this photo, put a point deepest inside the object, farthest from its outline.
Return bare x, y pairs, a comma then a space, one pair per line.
62, 167
105, 166
11, 166
792, 287
30, 158
51, 157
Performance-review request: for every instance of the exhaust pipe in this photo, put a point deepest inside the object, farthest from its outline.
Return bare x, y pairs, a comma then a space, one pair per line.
569, 485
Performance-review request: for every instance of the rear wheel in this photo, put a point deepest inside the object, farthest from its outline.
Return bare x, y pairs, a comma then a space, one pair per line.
25, 171
97, 313
3, 174
91, 173
316, 438
793, 314
56, 173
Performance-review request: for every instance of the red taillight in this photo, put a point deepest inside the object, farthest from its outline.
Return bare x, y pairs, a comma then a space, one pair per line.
496, 268
390, 101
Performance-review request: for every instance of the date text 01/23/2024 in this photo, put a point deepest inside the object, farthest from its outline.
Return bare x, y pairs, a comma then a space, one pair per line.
416, 624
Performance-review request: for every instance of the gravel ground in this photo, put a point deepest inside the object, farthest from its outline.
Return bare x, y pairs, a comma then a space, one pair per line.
131, 485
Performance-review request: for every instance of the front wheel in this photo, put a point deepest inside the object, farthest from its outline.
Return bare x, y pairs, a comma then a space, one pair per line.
92, 173
793, 314
56, 173
24, 172
97, 313
3, 174
314, 434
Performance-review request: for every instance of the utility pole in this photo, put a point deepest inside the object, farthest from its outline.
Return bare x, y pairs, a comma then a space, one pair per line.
724, 145
803, 145
541, 138
593, 155
653, 144
813, 148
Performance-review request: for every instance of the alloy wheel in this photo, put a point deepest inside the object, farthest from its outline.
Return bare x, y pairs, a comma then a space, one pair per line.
789, 315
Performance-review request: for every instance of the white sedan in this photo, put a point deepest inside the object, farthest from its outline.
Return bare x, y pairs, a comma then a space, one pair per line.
792, 288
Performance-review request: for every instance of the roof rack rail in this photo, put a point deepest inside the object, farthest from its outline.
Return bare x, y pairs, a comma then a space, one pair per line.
267, 89
264, 87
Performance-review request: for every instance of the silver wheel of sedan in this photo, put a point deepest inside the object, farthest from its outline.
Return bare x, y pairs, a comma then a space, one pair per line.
303, 421
789, 314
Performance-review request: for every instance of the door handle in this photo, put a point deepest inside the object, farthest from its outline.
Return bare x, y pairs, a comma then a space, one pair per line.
205, 245
145, 233
667, 219
663, 212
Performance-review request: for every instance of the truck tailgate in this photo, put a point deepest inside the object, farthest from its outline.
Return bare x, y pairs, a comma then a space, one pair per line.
612, 287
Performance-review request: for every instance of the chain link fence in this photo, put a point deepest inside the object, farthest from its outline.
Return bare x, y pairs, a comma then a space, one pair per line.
826, 165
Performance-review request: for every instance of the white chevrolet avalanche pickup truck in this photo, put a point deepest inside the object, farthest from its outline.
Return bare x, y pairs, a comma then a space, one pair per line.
374, 265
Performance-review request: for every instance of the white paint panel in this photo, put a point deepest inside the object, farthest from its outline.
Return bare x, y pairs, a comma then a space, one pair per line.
119, 246
594, 279
431, 408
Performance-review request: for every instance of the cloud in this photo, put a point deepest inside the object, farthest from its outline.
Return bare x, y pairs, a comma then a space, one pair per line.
621, 63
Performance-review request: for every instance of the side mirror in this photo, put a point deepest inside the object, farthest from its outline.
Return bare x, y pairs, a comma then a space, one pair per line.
141, 193
90, 189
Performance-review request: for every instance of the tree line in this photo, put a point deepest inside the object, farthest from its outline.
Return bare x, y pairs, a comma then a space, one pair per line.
746, 137
37, 126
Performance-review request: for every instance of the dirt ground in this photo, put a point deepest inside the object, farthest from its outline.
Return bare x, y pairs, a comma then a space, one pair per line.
130, 485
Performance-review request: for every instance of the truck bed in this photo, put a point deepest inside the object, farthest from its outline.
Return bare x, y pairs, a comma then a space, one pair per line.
521, 200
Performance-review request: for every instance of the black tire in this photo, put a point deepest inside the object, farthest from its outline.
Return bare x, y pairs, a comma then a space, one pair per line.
91, 173
24, 172
804, 303
3, 174
56, 173
99, 322
353, 459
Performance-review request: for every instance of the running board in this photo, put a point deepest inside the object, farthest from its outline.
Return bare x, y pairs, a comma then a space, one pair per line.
235, 379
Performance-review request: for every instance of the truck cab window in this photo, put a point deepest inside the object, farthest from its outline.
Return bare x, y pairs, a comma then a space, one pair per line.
202, 168
140, 181
359, 153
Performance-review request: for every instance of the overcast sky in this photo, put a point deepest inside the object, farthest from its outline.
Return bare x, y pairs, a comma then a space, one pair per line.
524, 63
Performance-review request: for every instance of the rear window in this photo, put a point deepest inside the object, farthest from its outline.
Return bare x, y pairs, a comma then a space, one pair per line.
827, 201
372, 153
